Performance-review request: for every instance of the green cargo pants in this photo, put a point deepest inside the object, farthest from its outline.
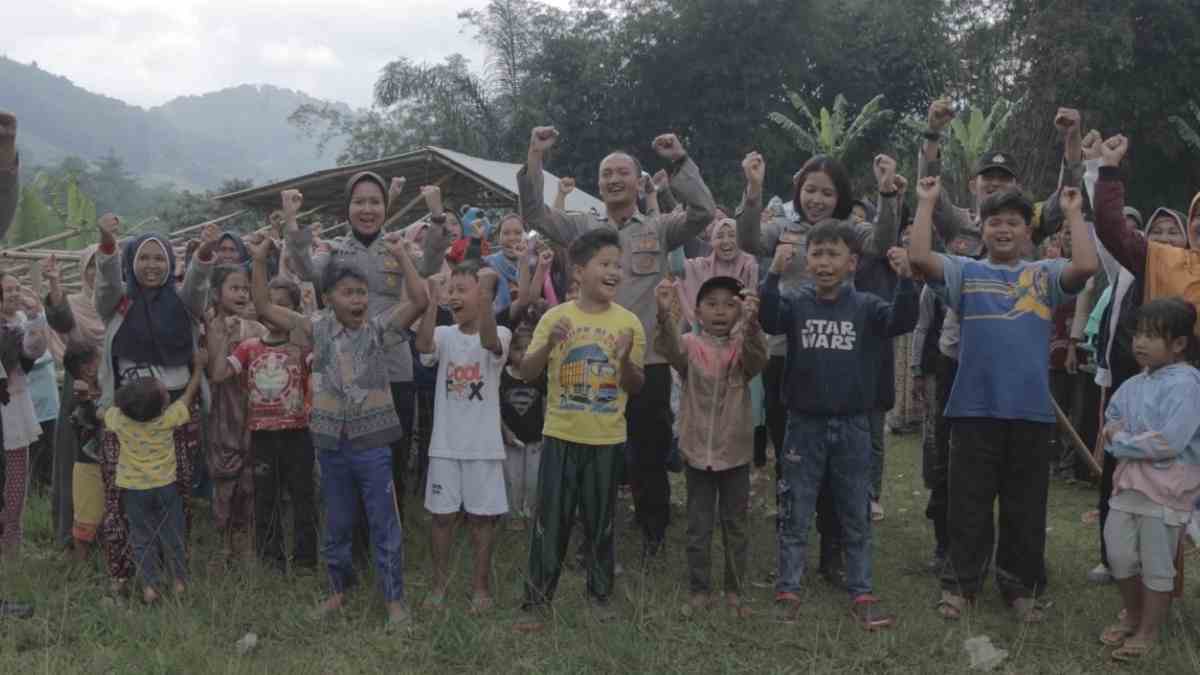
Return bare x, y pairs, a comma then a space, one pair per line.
573, 475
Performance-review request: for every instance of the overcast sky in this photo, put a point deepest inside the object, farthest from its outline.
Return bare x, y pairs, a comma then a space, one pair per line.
146, 52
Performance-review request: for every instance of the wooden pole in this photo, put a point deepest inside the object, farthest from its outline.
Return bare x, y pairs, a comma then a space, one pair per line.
1081, 448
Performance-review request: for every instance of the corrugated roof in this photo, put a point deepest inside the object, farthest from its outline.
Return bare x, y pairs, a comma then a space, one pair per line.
464, 180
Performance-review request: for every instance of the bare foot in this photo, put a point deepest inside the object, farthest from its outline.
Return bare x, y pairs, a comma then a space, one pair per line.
150, 596
180, 587
333, 603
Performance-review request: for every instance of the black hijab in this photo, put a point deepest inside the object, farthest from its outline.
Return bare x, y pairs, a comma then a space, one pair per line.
158, 326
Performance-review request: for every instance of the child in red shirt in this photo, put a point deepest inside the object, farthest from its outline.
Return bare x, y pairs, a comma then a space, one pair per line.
274, 372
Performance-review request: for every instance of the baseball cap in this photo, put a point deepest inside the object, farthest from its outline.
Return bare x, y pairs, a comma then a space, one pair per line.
996, 160
715, 283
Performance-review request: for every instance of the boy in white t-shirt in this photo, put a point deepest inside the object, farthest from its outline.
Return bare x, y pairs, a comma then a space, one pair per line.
466, 451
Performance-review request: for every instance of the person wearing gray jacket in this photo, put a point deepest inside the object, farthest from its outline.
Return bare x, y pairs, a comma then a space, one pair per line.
646, 240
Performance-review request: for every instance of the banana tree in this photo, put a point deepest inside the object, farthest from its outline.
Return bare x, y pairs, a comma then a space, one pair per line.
971, 135
1185, 129
826, 132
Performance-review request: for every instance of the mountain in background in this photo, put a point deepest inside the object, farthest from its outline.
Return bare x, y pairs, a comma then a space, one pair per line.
195, 142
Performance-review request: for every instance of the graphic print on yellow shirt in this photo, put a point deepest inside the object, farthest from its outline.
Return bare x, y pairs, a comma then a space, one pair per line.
585, 402
147, 457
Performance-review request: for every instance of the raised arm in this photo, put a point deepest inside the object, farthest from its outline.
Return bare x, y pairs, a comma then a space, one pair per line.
666, 332
489, 337
195, 281
754, 342
110, 290
875, 239
775, 313
405, 314
1084, 261
424, 337
687, 185
59, 316
920, 247
1124, 243
1067, 121
34, 342
948, 219
749, 216
554, 224
299, 241
10, 189
566, 185
261, 294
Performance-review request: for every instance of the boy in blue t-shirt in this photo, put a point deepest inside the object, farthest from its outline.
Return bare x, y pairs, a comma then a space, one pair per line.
1000, 402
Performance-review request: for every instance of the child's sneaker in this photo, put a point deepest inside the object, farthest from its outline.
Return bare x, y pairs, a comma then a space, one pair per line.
867, 611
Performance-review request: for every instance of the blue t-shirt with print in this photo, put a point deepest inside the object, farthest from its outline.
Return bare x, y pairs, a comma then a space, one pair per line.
1004, 351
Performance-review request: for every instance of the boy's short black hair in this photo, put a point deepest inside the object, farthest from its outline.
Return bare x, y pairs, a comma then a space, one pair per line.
831, 231
468, 268
1007, 200
77, 355
587, 245
337, 270
1168, 318
140, 399
292, 288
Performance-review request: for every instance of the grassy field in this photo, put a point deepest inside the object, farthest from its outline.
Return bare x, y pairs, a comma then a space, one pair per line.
79, 629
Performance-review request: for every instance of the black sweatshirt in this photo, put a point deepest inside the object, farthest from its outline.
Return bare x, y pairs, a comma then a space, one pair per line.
835, 347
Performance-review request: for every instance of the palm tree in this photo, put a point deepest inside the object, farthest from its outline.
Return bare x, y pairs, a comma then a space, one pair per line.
1186, 131
826, 132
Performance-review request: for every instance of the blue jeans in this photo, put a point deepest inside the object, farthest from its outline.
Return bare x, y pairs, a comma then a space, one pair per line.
345, 475
156, 523
837, 450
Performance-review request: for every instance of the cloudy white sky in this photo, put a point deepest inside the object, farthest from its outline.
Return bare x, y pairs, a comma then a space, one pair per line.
146, 52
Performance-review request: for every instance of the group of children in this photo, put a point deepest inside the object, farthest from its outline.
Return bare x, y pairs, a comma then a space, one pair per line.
540, 407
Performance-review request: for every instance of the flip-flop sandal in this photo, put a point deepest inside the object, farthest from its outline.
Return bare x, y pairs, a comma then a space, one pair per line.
1138, 651
480, 604
951, 607
1116, 634
434, 601
1029, 611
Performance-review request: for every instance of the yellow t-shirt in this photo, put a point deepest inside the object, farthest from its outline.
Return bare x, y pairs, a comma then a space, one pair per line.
147, 458
584, 399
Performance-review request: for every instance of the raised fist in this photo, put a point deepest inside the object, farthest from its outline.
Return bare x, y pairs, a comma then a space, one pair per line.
1071, 201
755, 168
941, 111
566, 185
669, 148
396, 187
1091, 145
1067, 120
110, 226
542, 138
928, 188
1113, 150
783, 257
665, 293
291, 200
885, 173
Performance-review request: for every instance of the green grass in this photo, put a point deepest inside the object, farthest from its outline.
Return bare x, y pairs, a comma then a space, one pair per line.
78, 629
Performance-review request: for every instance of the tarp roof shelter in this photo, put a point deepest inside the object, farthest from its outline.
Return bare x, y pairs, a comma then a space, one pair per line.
464, 180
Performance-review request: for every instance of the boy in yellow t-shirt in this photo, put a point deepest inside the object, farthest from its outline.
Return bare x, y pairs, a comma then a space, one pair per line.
592, 351
144, 420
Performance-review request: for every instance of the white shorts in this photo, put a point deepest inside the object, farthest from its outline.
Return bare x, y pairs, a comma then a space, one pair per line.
474, 485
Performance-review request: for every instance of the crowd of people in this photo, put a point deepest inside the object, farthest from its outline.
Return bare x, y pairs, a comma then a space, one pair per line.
519, 372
